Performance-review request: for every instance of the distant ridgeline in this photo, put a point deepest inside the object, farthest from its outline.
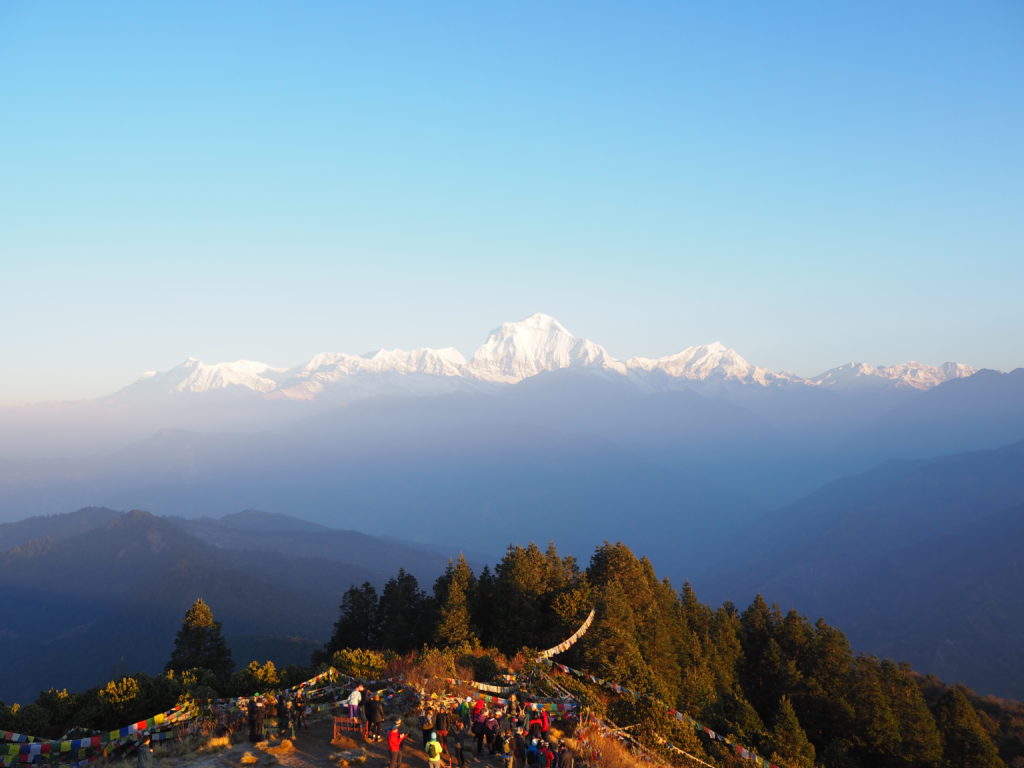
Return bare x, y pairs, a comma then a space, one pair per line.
628, 656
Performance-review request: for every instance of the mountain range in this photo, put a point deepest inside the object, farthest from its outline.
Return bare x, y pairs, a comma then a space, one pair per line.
511, 353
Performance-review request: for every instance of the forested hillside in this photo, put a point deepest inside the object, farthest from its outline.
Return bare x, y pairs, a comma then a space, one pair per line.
654, 660
779, 683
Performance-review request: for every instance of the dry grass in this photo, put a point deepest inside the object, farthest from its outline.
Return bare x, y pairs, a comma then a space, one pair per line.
345, 742
614, 753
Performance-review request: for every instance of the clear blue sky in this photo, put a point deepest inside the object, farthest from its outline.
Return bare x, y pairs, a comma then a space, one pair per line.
809, 183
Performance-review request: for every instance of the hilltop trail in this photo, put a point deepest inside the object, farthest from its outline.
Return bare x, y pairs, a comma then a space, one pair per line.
311, 749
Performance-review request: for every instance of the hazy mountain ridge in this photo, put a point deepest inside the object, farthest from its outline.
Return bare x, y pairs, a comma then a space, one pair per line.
138, 573
919, 560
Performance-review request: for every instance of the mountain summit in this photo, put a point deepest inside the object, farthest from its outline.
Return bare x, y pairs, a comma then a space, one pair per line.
516, 351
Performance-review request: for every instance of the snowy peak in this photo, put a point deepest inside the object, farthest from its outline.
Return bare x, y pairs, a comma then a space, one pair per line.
196, 377
912, 375
326, 370
713, 362
518, 350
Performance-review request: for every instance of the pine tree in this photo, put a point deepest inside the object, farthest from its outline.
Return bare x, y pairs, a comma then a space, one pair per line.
920, 744
358, 625
789, 742
519, 589
876, 732
964, 742
406, 614
199, 644
455, 592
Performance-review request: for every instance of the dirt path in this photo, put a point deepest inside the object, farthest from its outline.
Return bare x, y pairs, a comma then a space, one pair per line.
314, 749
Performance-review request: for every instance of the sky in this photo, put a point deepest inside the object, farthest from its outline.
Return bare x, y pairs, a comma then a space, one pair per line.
809, 183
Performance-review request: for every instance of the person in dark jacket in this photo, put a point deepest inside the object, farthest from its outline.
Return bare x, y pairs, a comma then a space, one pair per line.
374, 717
442, 724
480, 730
427, 724
458, 739
144, 754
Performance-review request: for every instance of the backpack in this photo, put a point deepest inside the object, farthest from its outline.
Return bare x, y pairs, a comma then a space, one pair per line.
433, 750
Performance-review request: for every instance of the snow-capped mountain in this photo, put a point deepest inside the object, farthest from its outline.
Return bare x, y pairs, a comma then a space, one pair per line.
713, 362
914, 375
512, 352
194, 376
327, 370
516, 351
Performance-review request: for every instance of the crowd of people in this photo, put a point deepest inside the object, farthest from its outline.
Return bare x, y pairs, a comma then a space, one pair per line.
514, 734
287, 713
517, 734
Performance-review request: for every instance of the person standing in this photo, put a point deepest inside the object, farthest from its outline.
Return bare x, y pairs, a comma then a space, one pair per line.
442, 723
353, 701
459, 739
433, 750
427, 724
395, 739
144, 754
519, 748
374, 717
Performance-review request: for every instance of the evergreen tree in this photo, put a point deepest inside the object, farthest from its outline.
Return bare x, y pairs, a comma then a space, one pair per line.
789, 743
964, 742
876, 732
483, 607
358, 625
199, 644
454, 592
520, 586
406, 614
920, 745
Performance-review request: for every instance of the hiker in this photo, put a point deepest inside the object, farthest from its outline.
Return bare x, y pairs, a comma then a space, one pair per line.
533, 724
395, 739
144, 752
493, 734
353, 703
427, 724
256, 712
480, 731
433, 750
374, 717
505, 748
547, 755
284, 719
519, 748
565, 757
459, 738
442, 723
298, 715
533, 752
465, 711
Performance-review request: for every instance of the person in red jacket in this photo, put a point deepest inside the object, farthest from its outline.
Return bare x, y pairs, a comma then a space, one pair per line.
395, 740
